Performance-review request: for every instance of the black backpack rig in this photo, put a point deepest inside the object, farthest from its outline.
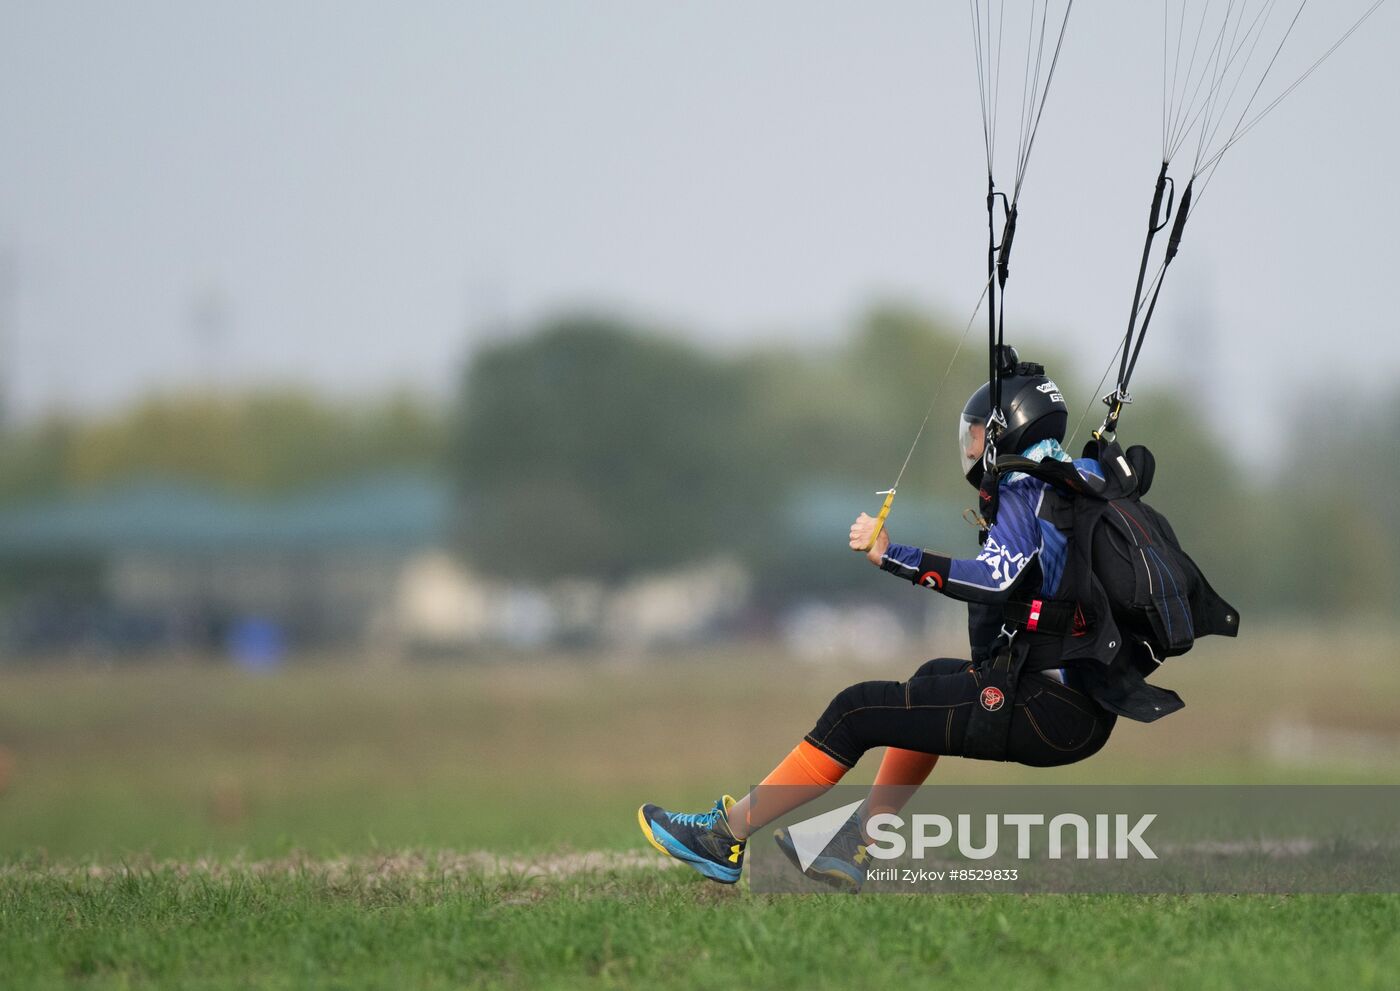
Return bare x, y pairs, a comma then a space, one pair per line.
1130, 596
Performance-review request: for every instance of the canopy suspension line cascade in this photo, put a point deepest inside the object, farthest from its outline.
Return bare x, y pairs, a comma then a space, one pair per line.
1197, 100
1198, 97
989, 36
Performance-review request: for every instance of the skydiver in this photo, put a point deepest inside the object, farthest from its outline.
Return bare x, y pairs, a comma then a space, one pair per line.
1018, 698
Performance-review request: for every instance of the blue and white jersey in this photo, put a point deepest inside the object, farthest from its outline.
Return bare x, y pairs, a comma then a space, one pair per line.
1018, 538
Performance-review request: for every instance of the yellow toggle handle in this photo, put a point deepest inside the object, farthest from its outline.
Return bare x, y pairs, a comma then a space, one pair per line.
880, 519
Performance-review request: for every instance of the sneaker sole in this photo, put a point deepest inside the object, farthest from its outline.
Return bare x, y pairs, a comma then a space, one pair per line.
832, 877
712, 871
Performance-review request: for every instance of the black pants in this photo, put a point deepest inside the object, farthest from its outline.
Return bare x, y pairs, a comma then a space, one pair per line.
1051, 723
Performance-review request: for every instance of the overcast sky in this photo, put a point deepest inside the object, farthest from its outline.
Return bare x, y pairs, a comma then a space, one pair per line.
347, 194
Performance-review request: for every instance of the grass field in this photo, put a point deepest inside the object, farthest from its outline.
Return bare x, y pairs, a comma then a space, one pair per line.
664, 928
184, 825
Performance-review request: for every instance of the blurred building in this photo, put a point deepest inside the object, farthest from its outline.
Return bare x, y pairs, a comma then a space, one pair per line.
366, 565
168, 565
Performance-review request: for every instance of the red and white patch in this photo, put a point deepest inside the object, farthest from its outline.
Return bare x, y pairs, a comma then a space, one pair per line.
992, 698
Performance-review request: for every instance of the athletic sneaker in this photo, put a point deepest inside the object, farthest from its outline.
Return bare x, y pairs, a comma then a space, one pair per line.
700, 839
840, 865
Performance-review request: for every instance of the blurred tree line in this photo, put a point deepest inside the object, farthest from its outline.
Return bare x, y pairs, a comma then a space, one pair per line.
600, 448
260, 443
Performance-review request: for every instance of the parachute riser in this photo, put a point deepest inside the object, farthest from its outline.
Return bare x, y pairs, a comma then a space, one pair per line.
1174, 241
1158, 218
998, 270
998, 286
1155, 222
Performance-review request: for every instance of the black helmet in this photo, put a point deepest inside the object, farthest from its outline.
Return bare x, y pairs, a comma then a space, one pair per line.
1034, 407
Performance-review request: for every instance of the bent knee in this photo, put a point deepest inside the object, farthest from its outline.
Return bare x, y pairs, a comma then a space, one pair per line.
839, 730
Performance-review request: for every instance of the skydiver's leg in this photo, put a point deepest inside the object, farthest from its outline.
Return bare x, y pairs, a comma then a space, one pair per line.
804, 774
902, 772
914, 716
923, 717
900, 775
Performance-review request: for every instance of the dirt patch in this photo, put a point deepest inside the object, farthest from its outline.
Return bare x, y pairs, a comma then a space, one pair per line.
411, 865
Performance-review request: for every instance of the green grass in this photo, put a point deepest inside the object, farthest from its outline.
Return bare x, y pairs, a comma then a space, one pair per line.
321, 766
664, 929
191, 760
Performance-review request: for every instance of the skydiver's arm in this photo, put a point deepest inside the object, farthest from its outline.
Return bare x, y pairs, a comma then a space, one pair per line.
1012, 543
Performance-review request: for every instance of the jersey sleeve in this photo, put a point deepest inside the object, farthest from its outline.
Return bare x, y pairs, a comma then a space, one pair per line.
1012, 544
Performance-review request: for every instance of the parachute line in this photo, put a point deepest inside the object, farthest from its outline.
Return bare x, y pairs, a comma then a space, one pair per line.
1201, 90
1044, 94
993, 45
1240, 132
1198, 103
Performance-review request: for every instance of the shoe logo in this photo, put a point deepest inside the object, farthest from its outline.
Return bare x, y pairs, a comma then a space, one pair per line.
992, 698
811, 836
734, 852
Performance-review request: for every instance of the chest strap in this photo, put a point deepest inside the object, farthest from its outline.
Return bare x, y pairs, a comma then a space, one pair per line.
1054, 617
